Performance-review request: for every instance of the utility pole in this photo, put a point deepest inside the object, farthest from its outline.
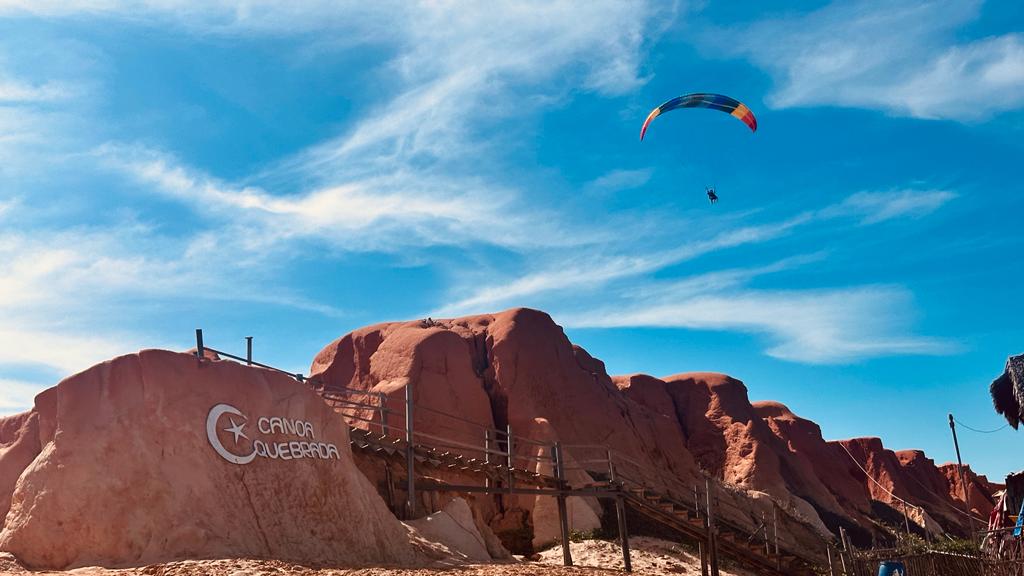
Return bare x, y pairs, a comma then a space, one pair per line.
963, 479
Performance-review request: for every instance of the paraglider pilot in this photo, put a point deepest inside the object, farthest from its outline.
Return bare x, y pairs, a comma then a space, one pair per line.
712, 197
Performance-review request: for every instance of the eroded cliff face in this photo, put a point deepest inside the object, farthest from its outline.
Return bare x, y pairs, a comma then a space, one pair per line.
518, 368
159, 456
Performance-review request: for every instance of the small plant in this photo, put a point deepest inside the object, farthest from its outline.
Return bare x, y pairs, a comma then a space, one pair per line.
957, 546
581, 535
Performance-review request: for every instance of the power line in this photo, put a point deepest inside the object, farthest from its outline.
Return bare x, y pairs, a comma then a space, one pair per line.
916, 481
981, 432
886, 490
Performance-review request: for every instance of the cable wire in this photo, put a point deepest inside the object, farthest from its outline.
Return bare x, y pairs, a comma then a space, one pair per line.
886, 490
980, 431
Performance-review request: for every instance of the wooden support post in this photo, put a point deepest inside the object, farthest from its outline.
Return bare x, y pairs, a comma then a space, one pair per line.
702, 551
508, 461
410, 455
764, 525
200, 349
844, 551
487, 455
775, 525
906, 520
712, 538
383, 410
390, 494
248, 350
620, 513
828, 552
563, 510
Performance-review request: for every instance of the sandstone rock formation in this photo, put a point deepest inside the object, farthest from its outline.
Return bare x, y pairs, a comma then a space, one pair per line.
130, 463
979, 489
517, 368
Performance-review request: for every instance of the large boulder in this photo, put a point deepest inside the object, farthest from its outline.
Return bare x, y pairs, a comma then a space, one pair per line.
158, 456
455, 527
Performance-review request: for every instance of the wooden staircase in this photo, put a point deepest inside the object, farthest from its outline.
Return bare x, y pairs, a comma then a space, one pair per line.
733, 542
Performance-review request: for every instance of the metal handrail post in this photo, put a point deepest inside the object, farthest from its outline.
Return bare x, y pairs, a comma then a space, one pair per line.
410, 456
620, 513
712, 540
508, 459
487, 455
775, 526
563, 513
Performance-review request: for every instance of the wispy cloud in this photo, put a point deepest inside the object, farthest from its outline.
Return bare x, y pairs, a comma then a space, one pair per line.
592, 289
811, 326
60, 289
900, 57
387, 212
17, 396
594, 269
463, 68
619, 180
875, 207
15, 92
409, 173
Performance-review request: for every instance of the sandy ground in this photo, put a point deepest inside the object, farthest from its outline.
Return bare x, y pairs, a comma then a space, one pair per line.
650, 556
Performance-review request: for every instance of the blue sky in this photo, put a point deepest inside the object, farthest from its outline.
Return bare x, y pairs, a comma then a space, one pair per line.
294, 172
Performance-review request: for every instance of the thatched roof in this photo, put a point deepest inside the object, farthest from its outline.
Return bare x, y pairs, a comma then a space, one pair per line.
1008, 391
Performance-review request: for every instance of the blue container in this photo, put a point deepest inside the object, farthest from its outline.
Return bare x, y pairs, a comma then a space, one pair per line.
892, 569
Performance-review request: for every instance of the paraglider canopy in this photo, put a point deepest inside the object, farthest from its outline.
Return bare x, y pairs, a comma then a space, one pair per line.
704, 100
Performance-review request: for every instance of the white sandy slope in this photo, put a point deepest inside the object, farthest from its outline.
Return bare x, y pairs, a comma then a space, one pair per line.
650, 556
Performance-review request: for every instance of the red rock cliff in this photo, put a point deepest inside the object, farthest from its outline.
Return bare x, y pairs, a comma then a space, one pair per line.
159, 456
517, 367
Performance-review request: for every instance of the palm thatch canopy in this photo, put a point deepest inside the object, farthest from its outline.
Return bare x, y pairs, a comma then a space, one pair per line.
1008, 391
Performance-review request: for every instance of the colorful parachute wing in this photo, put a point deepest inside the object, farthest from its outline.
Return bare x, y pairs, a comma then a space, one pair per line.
702, 100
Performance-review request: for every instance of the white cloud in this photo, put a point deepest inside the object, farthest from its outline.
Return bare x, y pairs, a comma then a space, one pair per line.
900, 57
387, 212
812, 326
595, 269
875, 207
60, 291
420, 168
411, 172
594, 289
15, 92
462, 67
618, 180
17, 396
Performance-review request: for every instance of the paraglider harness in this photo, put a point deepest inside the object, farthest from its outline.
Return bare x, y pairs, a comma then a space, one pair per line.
711, 195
